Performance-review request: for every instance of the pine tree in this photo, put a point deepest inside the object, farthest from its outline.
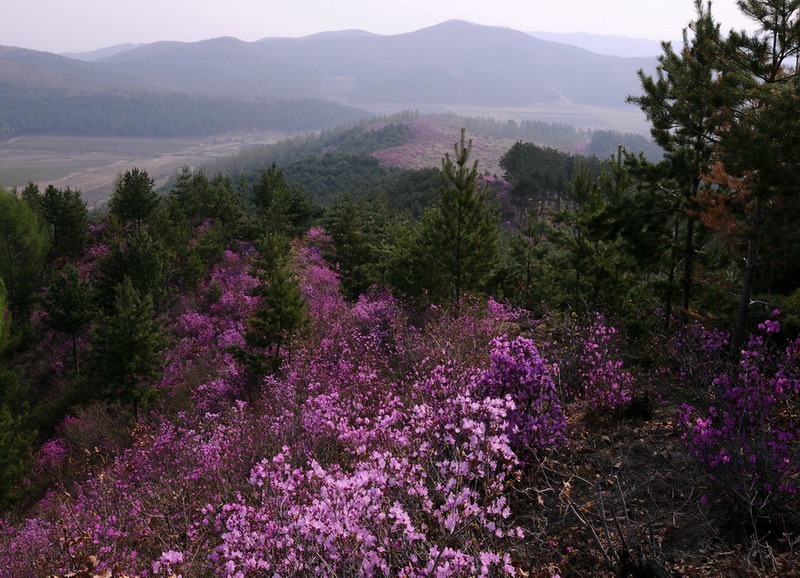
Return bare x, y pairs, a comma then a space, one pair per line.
23, 246
281, 206
128, 347
70, 306
141, 258
134, 198
681, 104
5, 317
66, 213
15, 450
459, 237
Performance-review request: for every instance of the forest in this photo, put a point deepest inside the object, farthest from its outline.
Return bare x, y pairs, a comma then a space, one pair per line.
140, 113
322, 365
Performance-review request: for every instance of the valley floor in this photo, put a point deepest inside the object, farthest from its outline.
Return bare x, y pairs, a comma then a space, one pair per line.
92, 164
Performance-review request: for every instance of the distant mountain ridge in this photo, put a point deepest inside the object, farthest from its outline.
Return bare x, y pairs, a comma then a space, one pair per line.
105, 52
611, 45
452, 64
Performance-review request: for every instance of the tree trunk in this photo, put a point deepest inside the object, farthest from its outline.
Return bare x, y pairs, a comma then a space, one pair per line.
748, 282
688, 268
743, 310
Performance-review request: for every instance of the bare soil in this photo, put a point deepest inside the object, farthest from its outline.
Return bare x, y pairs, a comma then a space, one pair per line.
92, 164
627, 500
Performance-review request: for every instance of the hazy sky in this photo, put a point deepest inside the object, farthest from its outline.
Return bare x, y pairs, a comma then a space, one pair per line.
78, 25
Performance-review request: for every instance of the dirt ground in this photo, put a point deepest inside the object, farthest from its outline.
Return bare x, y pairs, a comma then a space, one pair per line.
91, 164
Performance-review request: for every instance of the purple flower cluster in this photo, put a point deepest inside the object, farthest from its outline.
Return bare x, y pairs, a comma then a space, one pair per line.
517, 370
591, 367
380, 448
745, 434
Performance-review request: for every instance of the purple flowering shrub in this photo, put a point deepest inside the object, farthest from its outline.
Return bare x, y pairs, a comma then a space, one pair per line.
517, 370
379, 448
590, 366
745, 433
425, 495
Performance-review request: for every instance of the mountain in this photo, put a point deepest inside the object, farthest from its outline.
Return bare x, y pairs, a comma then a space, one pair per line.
453, 65
101, 52
611, 45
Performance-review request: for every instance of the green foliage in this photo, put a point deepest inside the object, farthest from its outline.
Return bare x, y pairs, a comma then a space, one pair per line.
526, 266
70, 305
143, 260
605, 143
136, 114
361, 232
458, 238
134, 198
15, 450
719, 107
23, 246
279, 315
541, 175
197, 197
127, 347
5, 317
281, 206
66, 213
31, 195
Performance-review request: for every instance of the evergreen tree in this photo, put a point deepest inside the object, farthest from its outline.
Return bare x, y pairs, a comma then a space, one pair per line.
459, 237
15, 450
682, 105
142, 259
199, 198
31, 195
280, 314
23, 246
134, 198
281, 206
70, 306
720, 109
128, 347
66, 213
5, 317
358, 229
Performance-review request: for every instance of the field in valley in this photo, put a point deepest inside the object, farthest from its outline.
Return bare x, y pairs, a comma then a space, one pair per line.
91, 164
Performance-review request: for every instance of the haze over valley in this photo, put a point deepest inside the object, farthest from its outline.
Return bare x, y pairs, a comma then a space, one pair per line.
173, 97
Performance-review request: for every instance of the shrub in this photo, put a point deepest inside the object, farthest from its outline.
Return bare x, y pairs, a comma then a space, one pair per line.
746, 434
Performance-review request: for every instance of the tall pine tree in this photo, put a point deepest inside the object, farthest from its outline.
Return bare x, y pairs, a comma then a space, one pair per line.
459, 237
134, 198
128, 348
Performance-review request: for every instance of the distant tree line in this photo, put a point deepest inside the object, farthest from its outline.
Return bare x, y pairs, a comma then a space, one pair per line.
157, 114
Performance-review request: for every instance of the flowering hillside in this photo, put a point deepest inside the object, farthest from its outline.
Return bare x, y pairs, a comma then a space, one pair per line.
482, 444
431, 137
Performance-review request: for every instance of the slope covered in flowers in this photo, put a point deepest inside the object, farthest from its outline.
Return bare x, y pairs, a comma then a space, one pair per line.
394, 442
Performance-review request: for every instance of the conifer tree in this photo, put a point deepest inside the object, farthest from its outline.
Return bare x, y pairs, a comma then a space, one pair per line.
128, 347
141, 258
5, 317
66, 213
23, 246
680, 103
134, 198
70, 306
15, 449
281, 206
459, 237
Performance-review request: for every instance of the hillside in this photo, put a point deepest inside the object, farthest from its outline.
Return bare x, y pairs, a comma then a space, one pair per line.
453, 65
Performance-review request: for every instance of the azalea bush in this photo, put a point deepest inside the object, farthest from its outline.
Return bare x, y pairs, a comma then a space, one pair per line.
746, 433
591, 367
519, 372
